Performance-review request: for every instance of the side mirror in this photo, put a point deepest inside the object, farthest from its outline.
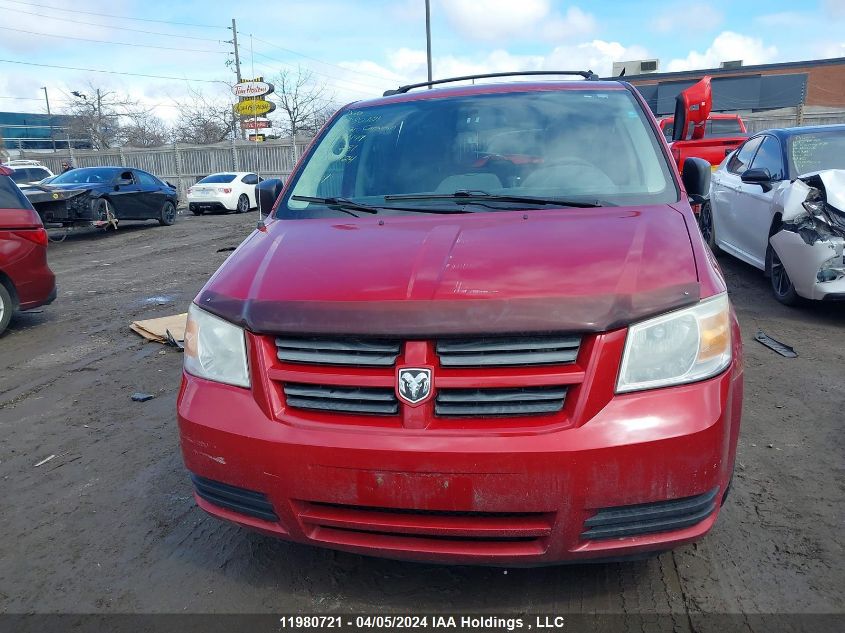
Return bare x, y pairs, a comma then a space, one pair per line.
267, 193
758, 176
696, 179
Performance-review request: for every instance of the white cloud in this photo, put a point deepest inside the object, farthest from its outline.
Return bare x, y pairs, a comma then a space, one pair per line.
687, 17
597, 56
727, 46
834, 8
497, 20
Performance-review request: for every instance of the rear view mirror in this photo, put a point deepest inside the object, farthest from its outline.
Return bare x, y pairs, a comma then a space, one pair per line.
696, 179
267, 193
758, 176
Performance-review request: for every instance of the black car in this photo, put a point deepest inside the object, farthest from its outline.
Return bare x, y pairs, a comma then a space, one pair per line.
103, 195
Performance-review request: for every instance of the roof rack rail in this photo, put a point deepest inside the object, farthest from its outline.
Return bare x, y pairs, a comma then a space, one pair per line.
589, 75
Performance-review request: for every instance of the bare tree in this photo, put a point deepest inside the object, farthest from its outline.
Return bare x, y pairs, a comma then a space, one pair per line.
301, 99
142, 128
202, 121
95, 115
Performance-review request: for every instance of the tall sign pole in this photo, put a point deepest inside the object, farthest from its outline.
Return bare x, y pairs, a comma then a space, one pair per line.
428, 37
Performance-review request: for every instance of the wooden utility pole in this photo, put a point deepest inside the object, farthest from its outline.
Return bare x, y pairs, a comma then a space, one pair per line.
50, 117
428, 37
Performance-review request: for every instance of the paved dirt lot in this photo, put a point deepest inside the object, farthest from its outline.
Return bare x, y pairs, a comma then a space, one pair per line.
109, 524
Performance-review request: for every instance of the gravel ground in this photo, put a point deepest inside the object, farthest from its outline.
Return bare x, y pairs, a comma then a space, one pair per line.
109, 525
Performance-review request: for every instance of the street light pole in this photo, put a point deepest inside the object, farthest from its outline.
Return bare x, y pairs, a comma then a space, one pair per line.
50, 117
428, 37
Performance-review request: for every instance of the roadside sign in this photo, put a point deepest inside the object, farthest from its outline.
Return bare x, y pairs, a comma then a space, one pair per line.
256, 124
257, 137
252, 89
254, 107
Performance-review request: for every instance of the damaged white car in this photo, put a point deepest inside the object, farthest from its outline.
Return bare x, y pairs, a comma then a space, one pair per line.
778, 203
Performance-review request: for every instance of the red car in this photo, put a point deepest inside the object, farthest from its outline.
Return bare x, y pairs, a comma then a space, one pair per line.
432, 351
26, 281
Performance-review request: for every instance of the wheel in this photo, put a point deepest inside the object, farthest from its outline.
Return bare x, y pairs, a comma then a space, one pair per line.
6, 308
782, 286
705, 225
102, 212
243, 204
167, 215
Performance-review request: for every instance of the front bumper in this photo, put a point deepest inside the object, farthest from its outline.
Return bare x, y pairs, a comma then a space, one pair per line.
466, 498
804, 261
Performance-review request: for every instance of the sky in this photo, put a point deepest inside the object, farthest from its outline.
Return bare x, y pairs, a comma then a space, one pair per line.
359, 48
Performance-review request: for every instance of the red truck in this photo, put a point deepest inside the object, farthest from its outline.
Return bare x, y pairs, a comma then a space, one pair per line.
702, 134
480, 325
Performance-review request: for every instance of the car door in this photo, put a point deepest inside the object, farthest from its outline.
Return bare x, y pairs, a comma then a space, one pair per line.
726, 198
250, 181
152, 196
756, 202
126, 196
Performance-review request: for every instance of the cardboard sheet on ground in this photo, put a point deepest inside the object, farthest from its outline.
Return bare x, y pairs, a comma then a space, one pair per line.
157, 329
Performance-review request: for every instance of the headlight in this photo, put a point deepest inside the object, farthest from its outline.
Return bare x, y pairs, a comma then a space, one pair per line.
215, 349
679, 347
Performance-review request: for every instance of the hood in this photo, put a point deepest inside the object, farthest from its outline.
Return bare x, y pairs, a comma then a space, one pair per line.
420, 275
37, 194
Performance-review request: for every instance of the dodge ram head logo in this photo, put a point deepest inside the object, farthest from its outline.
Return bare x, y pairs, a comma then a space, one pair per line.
413, 385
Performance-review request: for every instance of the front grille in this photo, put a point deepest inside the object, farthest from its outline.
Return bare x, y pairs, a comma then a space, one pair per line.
240, 500
372, 400
319, 351
513, 352
427, 530
499, 402
646, 518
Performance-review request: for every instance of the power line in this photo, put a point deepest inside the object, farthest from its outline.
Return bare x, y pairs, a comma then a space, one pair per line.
345, 88
118, 28
370, 87
320, 61
85, 39
118, 17
109, 72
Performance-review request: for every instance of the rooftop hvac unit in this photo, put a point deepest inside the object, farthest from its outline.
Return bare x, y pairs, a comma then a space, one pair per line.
636, 67
737, 63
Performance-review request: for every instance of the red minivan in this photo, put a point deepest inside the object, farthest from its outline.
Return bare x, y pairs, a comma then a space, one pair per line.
26, 281
479, 326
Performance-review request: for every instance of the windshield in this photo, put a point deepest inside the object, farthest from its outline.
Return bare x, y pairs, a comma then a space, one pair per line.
575, 145
86, 175
818, 151
217, 178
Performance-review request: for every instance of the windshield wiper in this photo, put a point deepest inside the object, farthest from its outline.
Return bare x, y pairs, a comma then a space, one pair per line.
341, 204
473, 196
348, 206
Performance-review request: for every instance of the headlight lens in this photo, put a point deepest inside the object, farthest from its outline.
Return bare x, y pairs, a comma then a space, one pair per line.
215, 349
680, 347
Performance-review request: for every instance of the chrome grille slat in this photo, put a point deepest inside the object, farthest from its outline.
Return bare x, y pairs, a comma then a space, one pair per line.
372, 400
357, 352
513, 351
499, 402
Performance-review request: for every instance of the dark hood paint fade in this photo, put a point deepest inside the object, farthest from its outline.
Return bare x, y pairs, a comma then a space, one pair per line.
422, 275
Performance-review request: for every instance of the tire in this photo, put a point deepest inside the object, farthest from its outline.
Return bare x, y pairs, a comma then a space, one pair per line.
707, 227
782, 286
243, 204
6, 308
102, 213
167, 215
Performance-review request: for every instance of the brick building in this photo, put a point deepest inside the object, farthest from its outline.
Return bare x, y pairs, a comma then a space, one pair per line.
766, 95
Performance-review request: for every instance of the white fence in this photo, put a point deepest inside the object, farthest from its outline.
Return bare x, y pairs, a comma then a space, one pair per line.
183, 165
791, 117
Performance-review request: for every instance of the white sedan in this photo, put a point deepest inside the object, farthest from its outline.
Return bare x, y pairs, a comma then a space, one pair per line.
778, 203
227, 191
